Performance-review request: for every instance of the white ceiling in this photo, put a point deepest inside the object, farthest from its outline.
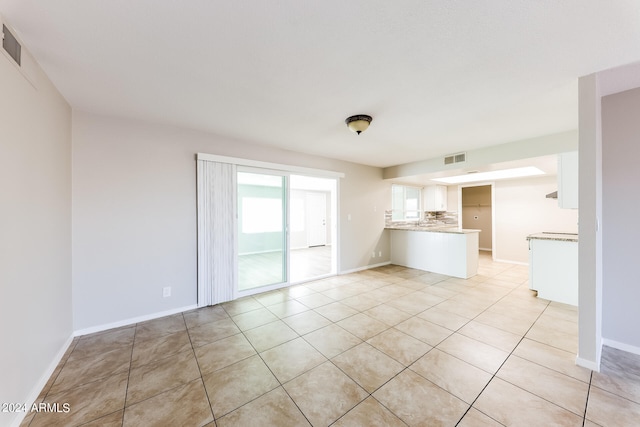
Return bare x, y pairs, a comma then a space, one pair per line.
438, 77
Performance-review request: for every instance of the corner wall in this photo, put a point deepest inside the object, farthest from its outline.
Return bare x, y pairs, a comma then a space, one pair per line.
620, 204
134, 214
35, 230
596, 280
590, 233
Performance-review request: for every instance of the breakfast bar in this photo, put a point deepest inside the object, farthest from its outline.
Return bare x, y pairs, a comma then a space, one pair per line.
452, 251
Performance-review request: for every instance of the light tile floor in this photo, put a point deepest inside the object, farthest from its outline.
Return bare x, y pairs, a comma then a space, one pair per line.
385, 347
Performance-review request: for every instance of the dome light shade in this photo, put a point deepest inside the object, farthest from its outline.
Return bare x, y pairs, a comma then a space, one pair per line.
358, 123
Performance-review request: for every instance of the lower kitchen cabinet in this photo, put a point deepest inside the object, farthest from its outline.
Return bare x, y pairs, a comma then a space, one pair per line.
553, 269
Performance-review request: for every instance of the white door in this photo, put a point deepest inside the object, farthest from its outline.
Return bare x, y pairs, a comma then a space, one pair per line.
316, 218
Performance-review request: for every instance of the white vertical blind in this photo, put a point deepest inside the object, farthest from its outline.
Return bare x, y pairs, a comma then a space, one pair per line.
216, 232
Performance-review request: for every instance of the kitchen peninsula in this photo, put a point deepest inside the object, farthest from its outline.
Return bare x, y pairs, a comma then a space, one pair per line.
439, 249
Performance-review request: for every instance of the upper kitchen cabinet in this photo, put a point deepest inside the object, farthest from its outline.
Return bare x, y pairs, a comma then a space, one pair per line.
435, 198
568, 180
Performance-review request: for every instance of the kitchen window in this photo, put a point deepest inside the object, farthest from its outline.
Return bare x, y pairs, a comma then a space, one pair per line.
405, 203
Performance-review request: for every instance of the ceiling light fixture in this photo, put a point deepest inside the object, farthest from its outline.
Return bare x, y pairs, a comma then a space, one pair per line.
491, 175
358, 123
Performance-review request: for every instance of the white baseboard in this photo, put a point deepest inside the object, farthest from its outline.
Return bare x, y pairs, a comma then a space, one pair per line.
366, 267
511, 262
313, 279
37, 388
621, 346
133, 320
485, 249
589, 364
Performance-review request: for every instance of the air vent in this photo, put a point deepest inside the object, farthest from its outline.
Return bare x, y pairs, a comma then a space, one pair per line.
15, 52
455, 158
11, 45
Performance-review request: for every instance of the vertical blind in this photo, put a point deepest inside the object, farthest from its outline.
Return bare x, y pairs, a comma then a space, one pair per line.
216, 187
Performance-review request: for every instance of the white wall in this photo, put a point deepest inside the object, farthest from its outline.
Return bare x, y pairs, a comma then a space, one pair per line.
522, 209
593, 231
35, 232
590, 206
134, 214
620, 207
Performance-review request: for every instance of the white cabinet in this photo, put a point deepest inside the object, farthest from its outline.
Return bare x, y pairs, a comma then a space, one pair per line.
553, 270
435, 198
568, 180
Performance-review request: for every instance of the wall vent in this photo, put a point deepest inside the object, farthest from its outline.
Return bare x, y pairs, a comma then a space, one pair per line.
15, 51
455, 158
11, 45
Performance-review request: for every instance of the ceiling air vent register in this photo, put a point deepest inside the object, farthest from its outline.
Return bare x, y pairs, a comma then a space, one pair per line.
455, 158
10, 44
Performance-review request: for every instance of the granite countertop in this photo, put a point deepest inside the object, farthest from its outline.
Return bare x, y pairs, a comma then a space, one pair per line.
434, 228
563, 237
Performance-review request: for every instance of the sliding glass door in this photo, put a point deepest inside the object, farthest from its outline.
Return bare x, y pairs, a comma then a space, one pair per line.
285, 229
262, 225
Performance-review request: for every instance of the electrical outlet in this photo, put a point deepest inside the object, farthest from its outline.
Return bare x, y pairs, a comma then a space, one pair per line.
166, 291
373, 254
380, 253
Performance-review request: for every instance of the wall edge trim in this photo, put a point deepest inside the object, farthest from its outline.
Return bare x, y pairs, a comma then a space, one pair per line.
132, 320
511, 262
589, 364
44, 378
621, 346
366, 267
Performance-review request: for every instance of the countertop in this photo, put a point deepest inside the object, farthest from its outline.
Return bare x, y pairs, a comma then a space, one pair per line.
563, 237
434, 229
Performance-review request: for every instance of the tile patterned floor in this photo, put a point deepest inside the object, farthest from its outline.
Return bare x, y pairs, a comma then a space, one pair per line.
385, 347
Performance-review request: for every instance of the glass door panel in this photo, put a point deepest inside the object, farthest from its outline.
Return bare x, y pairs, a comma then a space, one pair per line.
312, 231
262, 241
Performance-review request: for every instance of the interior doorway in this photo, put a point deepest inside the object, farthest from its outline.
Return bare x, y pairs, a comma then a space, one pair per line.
477, 213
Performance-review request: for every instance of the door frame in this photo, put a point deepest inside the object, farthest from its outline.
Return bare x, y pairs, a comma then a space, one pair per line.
493, 210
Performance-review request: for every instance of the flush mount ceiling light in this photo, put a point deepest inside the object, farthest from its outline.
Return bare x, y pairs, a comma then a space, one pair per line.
492, 175
358, 123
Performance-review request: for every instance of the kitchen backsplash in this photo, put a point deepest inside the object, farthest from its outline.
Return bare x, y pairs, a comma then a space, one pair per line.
428, 218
